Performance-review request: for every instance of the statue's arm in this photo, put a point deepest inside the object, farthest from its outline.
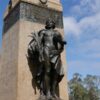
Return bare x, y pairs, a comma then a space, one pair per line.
41, 35
60, 41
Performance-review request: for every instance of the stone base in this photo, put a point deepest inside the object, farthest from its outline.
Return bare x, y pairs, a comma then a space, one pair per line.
44, 98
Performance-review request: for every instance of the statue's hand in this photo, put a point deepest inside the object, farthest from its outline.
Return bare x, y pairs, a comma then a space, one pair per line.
55, 52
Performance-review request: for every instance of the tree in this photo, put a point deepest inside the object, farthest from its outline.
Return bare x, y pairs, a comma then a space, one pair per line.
84, 88
92, 84
77, 91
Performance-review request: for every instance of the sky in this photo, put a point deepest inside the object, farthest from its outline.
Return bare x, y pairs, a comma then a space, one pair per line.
82, 33
3, 5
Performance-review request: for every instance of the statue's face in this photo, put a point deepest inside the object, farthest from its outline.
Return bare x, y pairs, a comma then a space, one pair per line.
50, 24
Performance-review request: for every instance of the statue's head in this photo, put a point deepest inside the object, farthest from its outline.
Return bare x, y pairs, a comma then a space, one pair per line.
50, 24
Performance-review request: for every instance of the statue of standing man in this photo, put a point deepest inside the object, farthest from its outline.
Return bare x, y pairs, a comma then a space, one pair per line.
50, 72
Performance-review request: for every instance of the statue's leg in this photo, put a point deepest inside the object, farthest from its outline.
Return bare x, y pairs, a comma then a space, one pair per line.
47, 80
53, 88
47, 73
54, 82
40, 81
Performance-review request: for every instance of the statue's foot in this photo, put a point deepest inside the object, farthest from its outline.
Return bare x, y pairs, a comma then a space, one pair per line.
42, 97
59, 99
55, 97
49, 97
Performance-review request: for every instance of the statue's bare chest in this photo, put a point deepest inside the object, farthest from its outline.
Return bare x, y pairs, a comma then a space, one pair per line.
48, 34
48, 38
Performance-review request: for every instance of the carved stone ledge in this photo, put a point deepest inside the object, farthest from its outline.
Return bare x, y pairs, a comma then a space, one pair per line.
30, 12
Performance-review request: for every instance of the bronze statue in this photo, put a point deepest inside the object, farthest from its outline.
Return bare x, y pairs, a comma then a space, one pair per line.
46, 47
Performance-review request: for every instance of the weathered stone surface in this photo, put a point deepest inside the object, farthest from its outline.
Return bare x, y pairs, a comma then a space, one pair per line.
0, 61
0, 56
52, 4
16, 81
11, 18
8, 75
33, 13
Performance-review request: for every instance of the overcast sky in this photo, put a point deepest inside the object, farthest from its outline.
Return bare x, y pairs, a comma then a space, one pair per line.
82, 32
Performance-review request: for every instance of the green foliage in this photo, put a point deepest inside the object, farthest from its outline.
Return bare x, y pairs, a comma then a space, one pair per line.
84, 88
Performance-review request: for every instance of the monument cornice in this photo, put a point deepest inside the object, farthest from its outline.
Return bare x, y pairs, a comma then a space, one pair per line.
51, 5
31, 12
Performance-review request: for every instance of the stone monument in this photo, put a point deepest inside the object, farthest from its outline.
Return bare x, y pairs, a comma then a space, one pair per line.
21, 18
0, 61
